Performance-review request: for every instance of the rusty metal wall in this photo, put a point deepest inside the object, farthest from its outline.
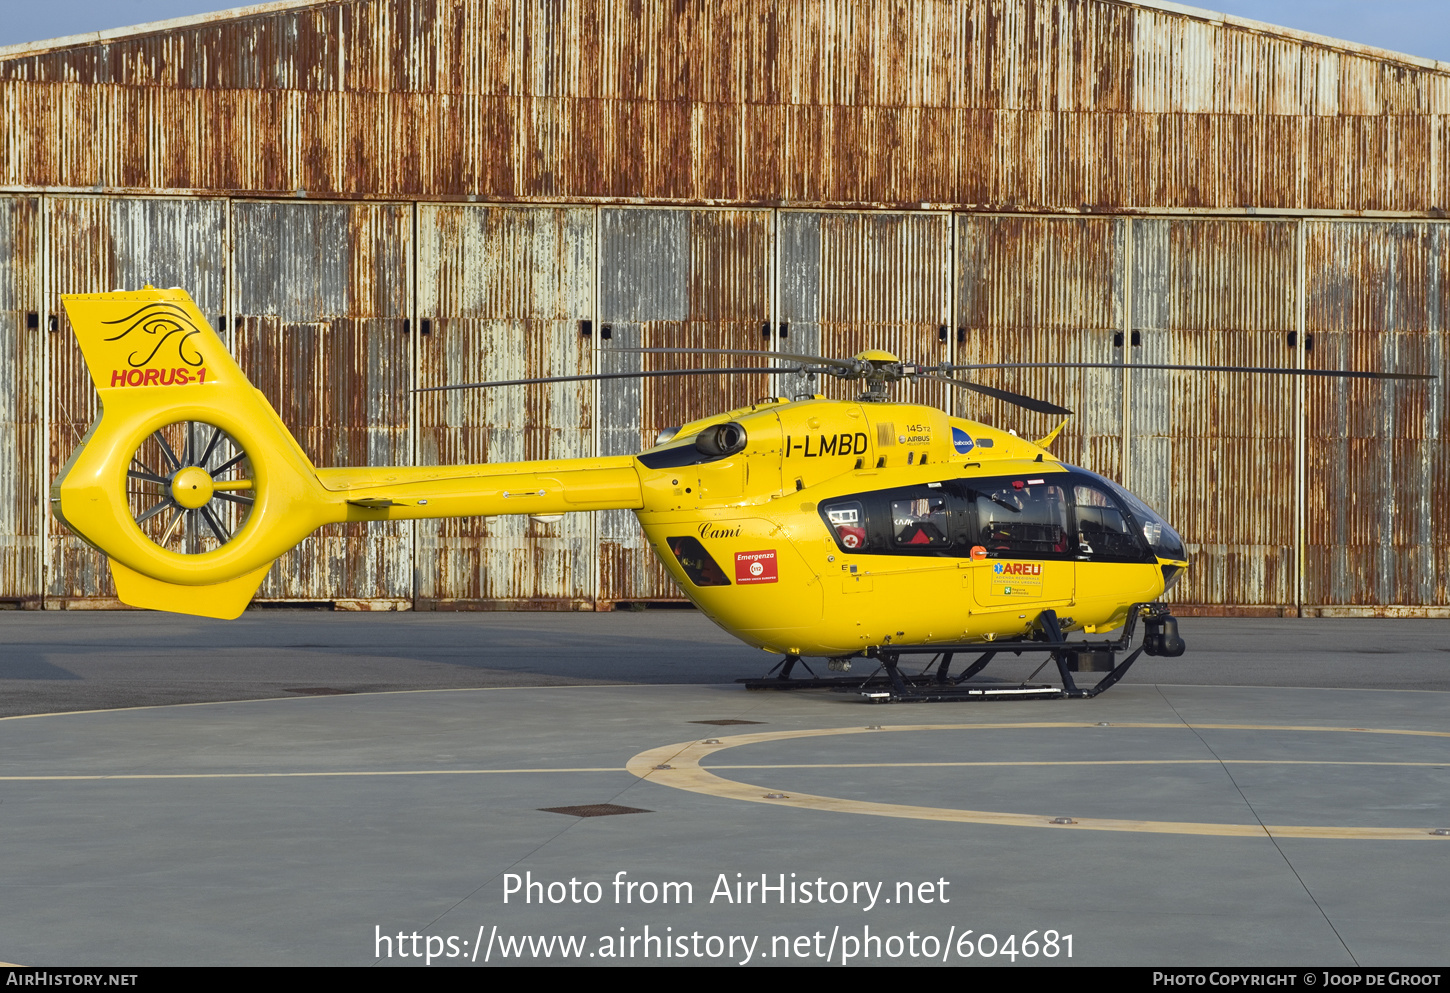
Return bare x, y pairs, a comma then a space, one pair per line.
1007, 104
1378, 476
1215, 453
503, 293
97, 244
322, 326
806, 160
319, 307
850, 281
24, 483
672, 279
1037, 289
1224, 114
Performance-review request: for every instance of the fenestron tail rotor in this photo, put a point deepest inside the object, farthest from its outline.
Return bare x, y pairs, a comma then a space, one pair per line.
190, 487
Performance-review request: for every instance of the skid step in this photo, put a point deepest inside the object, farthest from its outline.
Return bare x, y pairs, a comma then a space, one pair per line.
934, 694
832, 682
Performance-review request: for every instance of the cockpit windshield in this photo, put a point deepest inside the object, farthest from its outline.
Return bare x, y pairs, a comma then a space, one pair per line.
1160, 535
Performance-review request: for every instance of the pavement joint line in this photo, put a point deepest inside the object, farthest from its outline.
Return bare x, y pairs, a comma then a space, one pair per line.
310, 698
296, 775
684, 771
610, 685
754, 737
84, 777
1303, 884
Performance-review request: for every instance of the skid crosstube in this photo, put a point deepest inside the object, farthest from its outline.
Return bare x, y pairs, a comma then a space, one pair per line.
888, 684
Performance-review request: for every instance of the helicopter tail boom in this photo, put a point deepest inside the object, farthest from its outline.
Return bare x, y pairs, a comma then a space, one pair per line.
538, 488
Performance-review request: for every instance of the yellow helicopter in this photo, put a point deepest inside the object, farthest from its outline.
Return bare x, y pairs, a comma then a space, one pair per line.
811, 527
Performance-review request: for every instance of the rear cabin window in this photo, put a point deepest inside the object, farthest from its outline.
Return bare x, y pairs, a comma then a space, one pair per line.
920, 521
906, 520
848, 523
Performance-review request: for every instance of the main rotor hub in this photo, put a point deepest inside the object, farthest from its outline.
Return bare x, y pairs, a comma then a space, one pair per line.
191, 487
878, 368
876, 357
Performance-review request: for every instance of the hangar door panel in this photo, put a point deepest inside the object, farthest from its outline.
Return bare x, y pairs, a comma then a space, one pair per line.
1046, 289
322, 329
1377, 481
504, 292
24, 483
1214, 452
672, 279
853, 281
99, 244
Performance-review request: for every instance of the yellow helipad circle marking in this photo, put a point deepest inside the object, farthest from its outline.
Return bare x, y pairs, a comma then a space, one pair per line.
685, 772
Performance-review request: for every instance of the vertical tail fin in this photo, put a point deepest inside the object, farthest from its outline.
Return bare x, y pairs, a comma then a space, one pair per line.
188, 480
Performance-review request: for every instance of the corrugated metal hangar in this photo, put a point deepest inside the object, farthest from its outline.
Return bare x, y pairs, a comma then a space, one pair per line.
371, 196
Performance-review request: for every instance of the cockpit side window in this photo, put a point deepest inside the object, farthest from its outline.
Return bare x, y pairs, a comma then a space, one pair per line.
1017, 517
1104, 532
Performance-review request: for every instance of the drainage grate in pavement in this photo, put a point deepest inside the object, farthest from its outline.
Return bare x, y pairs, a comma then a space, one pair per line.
317, 690
727, 721
595, 810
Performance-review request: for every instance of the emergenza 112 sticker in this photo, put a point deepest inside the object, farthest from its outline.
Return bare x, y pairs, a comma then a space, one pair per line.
755, 567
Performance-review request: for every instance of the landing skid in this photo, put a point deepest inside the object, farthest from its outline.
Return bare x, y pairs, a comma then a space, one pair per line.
888, 684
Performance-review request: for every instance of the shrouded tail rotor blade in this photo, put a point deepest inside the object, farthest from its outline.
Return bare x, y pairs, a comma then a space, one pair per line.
646, 374
1016, 399
1267, 370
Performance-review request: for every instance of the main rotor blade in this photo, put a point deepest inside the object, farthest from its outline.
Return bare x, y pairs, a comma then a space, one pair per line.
847, 364
1017, 399
645, 374
1268, 370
